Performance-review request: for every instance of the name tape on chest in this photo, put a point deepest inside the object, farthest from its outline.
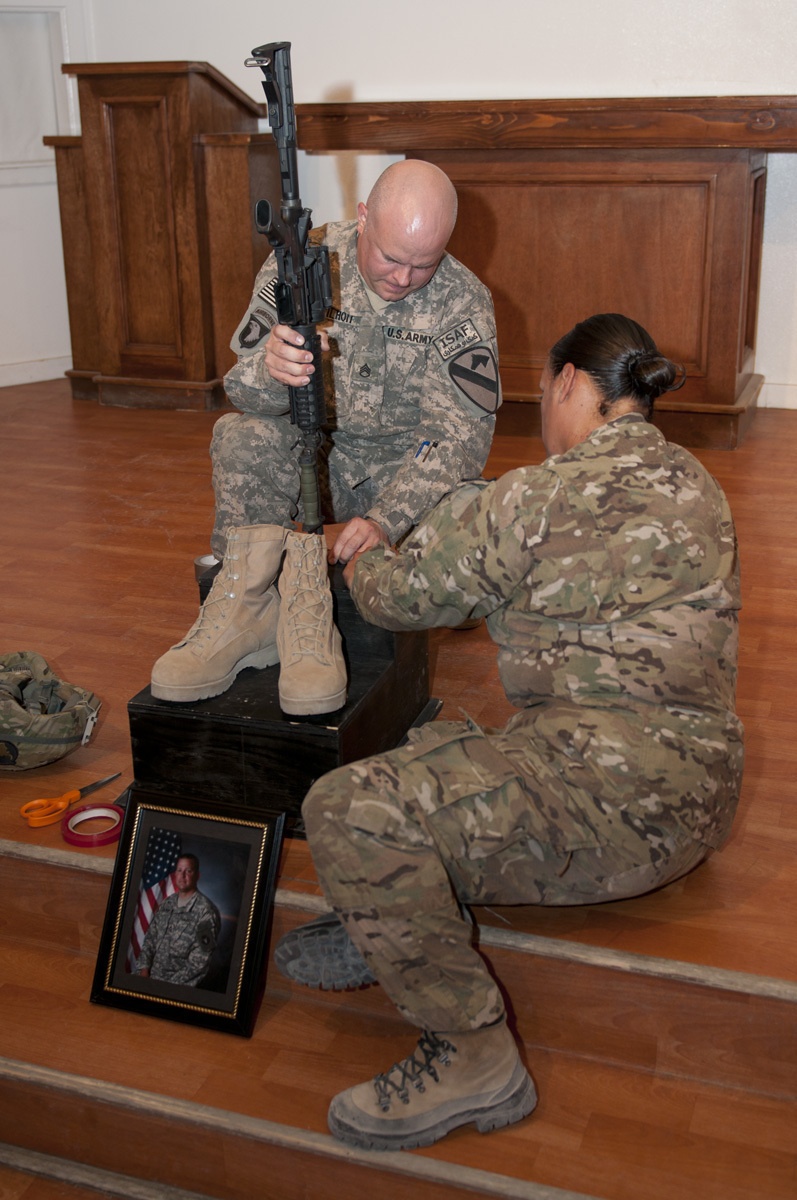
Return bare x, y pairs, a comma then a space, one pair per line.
391, 333
406, 336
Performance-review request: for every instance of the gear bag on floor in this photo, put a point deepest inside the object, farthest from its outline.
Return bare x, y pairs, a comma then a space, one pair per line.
42, 717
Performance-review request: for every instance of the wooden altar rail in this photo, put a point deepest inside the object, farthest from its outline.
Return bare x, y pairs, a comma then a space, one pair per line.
742, 122
661, 201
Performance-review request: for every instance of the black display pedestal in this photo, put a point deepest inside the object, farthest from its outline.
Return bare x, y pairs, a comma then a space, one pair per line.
241, 749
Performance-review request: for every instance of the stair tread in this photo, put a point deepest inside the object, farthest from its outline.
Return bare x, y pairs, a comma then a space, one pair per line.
702, 919
680, 922
601, 1129
606, 1132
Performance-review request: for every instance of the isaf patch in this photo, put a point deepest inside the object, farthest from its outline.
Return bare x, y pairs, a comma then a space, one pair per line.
456, 339
475, 373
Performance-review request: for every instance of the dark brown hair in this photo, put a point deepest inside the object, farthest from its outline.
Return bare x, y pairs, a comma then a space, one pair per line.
622, 359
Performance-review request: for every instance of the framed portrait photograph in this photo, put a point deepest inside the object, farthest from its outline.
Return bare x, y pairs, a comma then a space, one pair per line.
188, 920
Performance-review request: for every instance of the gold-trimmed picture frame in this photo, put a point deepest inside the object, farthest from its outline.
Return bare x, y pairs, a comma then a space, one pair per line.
188, 920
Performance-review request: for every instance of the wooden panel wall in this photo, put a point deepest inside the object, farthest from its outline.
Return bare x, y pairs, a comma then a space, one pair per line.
239, 169
652, 207
664, 237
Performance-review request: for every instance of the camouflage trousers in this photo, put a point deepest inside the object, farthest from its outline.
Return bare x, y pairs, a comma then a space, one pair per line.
256, 477
402, 840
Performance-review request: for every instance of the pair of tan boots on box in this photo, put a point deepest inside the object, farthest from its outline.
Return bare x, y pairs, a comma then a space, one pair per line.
256, 615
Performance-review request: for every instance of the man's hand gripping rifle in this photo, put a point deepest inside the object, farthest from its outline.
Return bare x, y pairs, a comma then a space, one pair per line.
303, 290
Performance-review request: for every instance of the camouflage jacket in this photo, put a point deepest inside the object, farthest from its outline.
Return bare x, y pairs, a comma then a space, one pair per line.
181, 939
609, 579
411, 391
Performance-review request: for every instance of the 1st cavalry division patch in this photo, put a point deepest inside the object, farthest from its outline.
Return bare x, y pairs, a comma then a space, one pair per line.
475, 372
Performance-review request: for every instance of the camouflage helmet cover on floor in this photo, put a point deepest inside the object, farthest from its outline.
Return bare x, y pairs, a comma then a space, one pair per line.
42, 718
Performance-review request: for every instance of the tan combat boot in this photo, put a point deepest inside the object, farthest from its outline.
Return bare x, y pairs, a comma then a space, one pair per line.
237, 624
312, 670
451, 1079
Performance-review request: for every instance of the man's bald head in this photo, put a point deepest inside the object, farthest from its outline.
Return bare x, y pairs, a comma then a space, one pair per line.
404, 228
417, 196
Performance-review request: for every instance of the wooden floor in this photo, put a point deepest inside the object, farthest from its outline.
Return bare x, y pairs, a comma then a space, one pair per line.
103, 512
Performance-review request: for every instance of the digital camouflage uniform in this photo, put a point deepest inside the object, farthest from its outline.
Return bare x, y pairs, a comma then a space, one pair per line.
421, 372
608, 577
181, 939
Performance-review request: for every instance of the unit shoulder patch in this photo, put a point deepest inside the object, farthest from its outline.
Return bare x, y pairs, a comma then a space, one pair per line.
254, 327
456, 339
475, 374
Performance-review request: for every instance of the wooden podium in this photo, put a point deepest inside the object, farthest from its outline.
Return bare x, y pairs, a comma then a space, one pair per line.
160, 250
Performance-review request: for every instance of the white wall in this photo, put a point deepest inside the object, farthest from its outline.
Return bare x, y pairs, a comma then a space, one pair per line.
35, 99
431, 49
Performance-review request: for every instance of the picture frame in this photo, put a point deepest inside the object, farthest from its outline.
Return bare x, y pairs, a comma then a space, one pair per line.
190, 906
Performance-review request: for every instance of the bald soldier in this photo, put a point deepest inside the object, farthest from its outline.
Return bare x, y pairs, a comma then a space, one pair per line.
412, 387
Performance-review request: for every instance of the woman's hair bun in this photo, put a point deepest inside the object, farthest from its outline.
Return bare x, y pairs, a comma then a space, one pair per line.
650, 373
622, 359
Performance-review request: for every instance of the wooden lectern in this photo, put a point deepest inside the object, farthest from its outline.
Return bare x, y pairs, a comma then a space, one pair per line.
160, 249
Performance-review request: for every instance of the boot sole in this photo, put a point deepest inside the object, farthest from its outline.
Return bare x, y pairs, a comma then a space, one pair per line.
306, 707
521, 1100
321, 955
185, 694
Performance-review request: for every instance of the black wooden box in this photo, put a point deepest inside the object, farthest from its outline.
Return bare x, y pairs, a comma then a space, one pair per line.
240, 748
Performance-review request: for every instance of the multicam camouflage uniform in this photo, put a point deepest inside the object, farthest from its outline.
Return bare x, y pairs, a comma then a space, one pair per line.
42, 718
411, 391
181, 939
608, 578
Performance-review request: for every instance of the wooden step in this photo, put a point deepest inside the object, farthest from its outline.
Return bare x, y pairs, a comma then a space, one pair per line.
648, 1074
598, 1133
30, 1176
627, 1010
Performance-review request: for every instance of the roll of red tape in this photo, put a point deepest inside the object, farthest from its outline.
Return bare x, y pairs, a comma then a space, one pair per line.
70, 822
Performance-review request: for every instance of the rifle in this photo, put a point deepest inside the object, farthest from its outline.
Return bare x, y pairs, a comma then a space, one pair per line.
303, 290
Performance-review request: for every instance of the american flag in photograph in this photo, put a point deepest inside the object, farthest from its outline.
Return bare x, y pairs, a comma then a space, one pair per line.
163, 851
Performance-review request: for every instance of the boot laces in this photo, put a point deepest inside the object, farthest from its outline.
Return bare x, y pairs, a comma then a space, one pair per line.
395, 1083
308, 600
215, 609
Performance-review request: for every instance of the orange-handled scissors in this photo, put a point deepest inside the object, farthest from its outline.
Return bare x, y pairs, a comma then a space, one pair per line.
47, 812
